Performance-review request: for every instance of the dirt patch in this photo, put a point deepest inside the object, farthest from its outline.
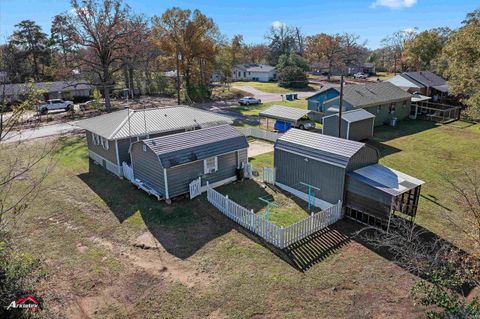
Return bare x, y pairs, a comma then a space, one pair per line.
258, 147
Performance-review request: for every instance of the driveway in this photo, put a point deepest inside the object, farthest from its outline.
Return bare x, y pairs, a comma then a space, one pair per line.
269, 97
41, 131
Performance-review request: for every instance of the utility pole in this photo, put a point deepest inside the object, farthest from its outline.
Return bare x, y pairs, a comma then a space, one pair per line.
177, 58
340, 108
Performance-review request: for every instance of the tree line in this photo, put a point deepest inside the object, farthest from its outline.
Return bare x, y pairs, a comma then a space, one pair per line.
105, 43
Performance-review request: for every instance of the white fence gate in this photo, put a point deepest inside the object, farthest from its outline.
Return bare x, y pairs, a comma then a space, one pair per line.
127, 172
195, 187
247, 170
269, 175
278, 236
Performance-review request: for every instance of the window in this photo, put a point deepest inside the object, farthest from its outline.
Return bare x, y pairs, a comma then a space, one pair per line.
104, 142
210, 165
392, 108
96, 139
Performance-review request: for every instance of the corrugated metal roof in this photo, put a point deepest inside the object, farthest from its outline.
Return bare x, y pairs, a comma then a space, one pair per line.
286, 113
126, 123
328, 149
386, 179
370, 94
181, 148
354, 115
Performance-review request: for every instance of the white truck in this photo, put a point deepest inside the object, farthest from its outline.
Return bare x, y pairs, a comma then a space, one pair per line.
55, 104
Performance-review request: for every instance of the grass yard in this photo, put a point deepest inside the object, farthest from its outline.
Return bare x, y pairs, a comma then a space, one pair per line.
90, 229
254, 110
385, 75
272, 87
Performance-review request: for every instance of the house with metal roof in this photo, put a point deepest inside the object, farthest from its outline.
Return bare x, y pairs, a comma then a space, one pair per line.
254, 72
109, 136
332, 169
168, 165
356, 125
384, 100
424, 82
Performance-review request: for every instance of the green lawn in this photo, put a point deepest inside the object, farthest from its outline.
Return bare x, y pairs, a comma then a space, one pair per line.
85, 224
272, 87
254, 110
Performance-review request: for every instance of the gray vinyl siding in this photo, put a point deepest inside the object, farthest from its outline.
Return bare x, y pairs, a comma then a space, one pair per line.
243, 156
330, 126
291, 169
361, 130
383, 116
110, 154
147, 168
179, 177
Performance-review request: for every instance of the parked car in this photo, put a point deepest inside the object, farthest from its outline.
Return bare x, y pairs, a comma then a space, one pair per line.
55, 104
249, 101
303, 124
360, 75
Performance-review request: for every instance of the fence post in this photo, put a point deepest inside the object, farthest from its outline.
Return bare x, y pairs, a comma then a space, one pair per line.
282, 238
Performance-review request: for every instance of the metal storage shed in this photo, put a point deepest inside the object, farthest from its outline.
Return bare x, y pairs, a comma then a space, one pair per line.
322, 161
168, 164
357, 125
380, 191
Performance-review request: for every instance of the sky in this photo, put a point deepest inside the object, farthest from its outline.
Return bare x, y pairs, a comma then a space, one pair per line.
372, 20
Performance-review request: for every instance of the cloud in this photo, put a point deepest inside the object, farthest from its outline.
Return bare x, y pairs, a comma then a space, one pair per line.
277, 24
410, 30
393, 4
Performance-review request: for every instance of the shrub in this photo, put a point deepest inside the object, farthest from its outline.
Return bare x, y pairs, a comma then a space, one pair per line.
293, 77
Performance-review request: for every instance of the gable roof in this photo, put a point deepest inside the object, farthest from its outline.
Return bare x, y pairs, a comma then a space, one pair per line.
128, 123
255, 67
324, 148
386, 179
286, 113
370, 94
182, 148
425, 78
354, 115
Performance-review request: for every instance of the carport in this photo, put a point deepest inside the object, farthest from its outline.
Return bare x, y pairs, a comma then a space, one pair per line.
283, 113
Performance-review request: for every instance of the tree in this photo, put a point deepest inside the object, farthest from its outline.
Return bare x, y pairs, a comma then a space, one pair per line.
283, 40
462, 52
32, 44
394, 46
422, 52
352, 52
99, 32
292, 71
256, 53
191, 39
61, 35
325, 48
237, 48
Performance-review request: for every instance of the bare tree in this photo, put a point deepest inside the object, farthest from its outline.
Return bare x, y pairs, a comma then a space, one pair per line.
99, 31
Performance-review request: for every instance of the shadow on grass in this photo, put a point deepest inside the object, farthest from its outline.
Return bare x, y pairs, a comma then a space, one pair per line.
182, 228
404, 128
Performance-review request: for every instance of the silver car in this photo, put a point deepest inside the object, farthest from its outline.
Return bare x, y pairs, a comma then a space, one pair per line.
248, 100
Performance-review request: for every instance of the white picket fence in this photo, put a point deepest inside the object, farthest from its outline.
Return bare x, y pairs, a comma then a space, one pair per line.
259, 133
278, 236
195, 187
127, 172
269, 175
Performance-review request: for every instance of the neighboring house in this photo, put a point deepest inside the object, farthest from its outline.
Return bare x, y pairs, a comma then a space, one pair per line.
337, 169
52, 90
109, 136
168, 164
384, 100
423, 82
254, 72
366, 68
356, 125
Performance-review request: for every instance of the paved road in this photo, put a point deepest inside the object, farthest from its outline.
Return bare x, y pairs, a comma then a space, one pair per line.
269, 97
42, 131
